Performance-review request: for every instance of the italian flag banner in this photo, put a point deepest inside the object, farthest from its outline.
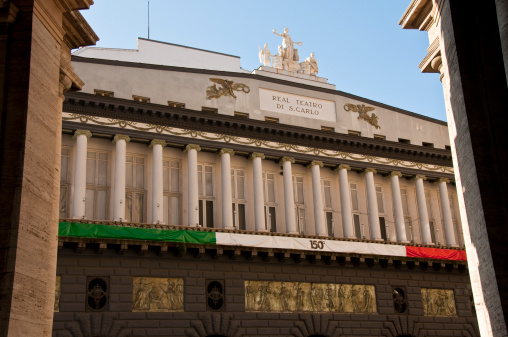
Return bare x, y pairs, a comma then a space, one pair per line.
86, 230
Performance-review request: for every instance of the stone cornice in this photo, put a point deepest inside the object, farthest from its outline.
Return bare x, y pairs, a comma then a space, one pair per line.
89, 104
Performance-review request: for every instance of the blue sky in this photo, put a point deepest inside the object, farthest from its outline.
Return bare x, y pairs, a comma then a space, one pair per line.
358, 44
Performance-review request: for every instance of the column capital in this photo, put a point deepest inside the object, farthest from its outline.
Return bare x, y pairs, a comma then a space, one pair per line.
285, 159
368, 169
192, 147
157, 142
78, 132
342, 167
395, 174
440, 180
121, 137
256, 155
419, 176
316, 162
228, 151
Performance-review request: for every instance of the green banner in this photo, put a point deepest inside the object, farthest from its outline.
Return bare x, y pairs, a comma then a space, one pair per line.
86, 230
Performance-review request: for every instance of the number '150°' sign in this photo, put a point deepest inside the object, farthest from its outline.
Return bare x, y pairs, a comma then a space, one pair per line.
315, 244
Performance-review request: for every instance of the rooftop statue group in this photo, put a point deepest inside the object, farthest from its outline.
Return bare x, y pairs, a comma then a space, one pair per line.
287, 56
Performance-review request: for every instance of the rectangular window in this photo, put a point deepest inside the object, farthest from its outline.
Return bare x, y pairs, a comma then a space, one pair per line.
206, 195
354, 196
404, 141
241, 114
382, 227
64, 183
409, 229
208, 109
329, 223
135, 193
141, 99
431, 217
432, 231
357, 226
431, 145
354, 133
299, 202
103, 93
403, 195
379, 194
172, 192
238, 194
380, 137
327, 194
327, 128
177, 105
271, 119
270, 204
97, 185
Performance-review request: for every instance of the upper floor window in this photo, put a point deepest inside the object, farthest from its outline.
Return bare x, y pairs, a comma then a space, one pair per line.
64, 183
270, 205
178, 105
238, 194
299, 202
206, 195
103, 93
327, 200
97, 185
135, 193
172, 192
141, 99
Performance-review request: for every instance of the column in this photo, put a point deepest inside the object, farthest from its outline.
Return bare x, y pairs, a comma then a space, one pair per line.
259, 197
79, 195
192, 167
227, 199
345, 201
289, 197
375, 230
451, 240
422, 210
319, 215
119, 192
398, 212
157, 181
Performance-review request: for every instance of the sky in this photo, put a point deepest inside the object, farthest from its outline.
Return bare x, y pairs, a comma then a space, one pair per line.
358, 44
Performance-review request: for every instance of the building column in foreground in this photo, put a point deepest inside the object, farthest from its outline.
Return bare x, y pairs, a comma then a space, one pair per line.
157, 181
289, 197
451, 239
119, 192
192, 167
375, 230
345, 202
422, 210
398, 212
319, 216
227, 199
79, 195
259, 197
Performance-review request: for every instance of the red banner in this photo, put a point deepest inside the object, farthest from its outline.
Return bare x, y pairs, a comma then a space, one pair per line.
436, 253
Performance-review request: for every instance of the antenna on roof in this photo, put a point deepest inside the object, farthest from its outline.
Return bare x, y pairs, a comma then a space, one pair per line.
148, 19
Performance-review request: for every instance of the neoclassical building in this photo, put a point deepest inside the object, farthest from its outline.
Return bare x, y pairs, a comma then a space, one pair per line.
201, 199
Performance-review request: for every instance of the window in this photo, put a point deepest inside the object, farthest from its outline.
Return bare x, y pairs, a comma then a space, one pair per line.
380, 137
381, 210
405, 141
241, 114
354, 133
207, 109
271, 119
458, 236
407, 218
135, 193
206, 195
299, 202
327, 199
172, 192
431, 217
97, 294
178, 105
238, 194
64, 183
270, 204
356, 211
97, 185
431, 145
141, 99
327, 128
448, 147
103, 93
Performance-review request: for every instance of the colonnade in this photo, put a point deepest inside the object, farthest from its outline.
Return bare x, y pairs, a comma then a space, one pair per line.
82, 137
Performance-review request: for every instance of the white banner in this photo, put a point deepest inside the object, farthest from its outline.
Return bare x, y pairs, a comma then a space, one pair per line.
296, 105
281, 242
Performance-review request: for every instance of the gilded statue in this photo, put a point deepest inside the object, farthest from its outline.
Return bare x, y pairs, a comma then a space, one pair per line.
363, 113
227, 88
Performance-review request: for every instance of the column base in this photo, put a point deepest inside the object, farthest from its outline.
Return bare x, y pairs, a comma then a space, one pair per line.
351, 237
297, 233
262, 230
381, 240
429, 243
118, 220
230, 228
405, 241
455, 246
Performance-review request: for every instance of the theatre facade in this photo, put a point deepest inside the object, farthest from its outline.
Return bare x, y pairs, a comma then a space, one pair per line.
201, 199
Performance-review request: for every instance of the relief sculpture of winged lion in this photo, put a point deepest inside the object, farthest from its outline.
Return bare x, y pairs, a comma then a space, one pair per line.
363, 113
227, 88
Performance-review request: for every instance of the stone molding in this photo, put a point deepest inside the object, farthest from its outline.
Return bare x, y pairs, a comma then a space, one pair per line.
256, 155
316, 162
440, 180
192, 147
157, 142
368, 169
342, 167
78, 132
121, 137
395, 173
419, 176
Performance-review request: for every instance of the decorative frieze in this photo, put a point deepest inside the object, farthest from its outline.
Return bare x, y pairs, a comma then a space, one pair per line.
268, 296
157, 294
438, 302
